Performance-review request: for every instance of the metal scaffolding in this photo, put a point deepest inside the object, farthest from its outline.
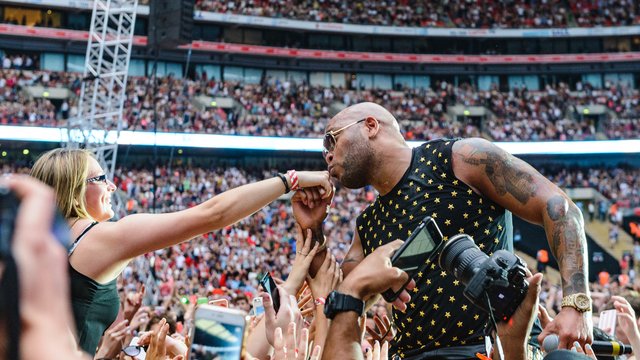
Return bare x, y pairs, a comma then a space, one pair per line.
104, 85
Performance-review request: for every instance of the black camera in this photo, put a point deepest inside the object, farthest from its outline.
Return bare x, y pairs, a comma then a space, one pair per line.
497, 283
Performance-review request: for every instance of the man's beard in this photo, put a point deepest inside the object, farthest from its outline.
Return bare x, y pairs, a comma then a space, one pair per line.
358, 165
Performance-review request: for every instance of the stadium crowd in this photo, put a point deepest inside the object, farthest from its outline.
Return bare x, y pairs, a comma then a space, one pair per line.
453, 13
225, 265
297, 109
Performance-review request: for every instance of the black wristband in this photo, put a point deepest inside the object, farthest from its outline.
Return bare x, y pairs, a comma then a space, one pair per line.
284, 181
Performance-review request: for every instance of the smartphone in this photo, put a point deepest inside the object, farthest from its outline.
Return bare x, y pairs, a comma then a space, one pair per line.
258, 308
218, 333
270, 287
414, 252
607, 321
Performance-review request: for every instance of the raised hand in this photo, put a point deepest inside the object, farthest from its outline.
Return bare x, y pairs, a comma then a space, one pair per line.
163, 345
327, 278
379, 352
310, 207
157, 347
570, 326
287, 313
319, 179
305, 305
287, 348
305, 253
132, 303
112, 340
516, 330
383, 330
375, 274
627, 320
140, 318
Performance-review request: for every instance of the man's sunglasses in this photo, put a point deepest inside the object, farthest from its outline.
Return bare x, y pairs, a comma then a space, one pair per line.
98, 179
330, 138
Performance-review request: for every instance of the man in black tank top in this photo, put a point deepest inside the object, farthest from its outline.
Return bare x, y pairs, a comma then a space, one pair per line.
439, 315
468, 186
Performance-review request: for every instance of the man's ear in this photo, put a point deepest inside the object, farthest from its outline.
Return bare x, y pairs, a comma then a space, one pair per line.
373, 126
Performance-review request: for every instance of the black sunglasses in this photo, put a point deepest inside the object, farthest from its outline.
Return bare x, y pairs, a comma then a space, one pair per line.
98, 179
329, 141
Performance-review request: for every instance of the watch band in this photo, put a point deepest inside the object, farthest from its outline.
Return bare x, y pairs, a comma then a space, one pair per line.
338, 302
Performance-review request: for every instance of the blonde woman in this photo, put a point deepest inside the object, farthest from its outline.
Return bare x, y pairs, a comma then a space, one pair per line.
101, 249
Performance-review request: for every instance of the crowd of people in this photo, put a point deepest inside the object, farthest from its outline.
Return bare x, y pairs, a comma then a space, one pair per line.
229, 261
20, 61
297, 109
452, 13
223, 266
621, 186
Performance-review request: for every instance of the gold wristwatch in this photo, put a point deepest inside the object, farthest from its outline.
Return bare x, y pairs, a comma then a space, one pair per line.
578, 301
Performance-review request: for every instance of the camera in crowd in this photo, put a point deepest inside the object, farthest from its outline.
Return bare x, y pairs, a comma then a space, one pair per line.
495, 283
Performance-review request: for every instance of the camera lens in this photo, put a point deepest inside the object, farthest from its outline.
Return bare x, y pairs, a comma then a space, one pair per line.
461, 257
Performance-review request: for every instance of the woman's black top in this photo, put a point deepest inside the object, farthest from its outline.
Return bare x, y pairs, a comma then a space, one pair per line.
95, 305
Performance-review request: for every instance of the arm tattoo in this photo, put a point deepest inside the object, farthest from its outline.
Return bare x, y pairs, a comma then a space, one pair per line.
507, 175
568, 244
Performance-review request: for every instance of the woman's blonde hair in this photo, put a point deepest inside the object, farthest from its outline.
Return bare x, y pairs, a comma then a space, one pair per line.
66, 171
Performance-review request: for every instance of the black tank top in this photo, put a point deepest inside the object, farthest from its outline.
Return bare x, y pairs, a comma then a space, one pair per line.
95, 305
438, 315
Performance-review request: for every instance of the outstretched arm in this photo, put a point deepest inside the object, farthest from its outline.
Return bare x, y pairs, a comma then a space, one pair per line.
515, 185
138, 234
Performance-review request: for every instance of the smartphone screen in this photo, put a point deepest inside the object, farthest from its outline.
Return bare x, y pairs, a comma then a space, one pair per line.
217, 333
412, 255
270, 287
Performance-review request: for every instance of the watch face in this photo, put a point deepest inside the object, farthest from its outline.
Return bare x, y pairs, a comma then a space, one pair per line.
583, 302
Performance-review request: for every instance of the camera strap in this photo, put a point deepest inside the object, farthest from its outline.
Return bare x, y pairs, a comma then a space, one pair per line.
10, 306
493, 324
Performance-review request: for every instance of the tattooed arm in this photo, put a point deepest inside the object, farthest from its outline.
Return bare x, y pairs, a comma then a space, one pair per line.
515, 185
